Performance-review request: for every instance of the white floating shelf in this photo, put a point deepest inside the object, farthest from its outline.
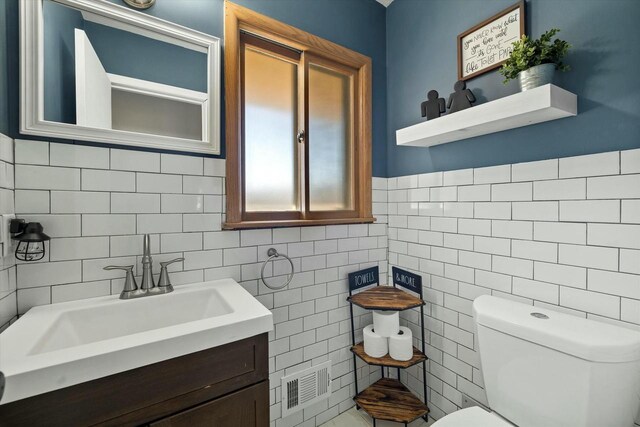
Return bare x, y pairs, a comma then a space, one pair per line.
542, 104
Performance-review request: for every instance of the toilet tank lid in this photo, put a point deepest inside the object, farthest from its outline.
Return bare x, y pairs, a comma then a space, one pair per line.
580, 337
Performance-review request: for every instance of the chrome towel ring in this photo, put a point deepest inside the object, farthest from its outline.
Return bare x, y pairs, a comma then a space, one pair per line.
273, 254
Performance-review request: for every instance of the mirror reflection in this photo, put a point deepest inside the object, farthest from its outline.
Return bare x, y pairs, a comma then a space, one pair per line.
100, 74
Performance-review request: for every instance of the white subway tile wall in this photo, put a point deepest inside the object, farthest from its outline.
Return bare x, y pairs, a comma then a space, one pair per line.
8, 294
563, 234
96, 203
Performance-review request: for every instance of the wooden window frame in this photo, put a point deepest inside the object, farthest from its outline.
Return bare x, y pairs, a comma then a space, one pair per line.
240, 20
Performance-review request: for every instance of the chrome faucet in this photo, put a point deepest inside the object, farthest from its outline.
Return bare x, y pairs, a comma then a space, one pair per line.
148, 287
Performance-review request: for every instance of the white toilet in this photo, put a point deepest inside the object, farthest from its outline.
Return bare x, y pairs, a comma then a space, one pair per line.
542, 368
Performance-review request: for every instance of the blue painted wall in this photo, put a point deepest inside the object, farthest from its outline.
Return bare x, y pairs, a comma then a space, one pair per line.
4, 68
356, 24
421, 55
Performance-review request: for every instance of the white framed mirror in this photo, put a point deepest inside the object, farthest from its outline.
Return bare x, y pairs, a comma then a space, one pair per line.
92, 70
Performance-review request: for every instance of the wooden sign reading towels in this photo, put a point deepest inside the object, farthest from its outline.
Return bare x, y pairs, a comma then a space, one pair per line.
487, 45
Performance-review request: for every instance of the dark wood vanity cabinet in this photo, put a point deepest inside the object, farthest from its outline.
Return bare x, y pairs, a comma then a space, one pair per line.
241, 408
221, 386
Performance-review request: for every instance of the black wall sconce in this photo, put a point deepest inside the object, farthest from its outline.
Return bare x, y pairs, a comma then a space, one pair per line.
30, 237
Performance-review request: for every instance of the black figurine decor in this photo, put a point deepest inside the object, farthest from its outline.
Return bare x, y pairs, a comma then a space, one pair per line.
461, 99
433, 107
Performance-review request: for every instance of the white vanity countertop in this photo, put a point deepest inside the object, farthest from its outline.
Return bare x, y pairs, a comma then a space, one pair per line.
60, 345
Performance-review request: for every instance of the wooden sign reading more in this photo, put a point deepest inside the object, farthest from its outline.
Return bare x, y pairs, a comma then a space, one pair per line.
407, 280
487, 45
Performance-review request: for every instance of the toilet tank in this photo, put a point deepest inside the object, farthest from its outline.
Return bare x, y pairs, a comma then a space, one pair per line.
543, 368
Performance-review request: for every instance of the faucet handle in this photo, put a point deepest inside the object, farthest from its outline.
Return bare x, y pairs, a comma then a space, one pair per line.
118, 267
130, 289
164, 283
163, 264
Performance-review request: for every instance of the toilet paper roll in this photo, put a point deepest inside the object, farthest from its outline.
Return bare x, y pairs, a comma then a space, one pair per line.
401, 345
374, 344
386, 323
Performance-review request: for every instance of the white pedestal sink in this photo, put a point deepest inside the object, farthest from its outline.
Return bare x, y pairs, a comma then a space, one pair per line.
59, 345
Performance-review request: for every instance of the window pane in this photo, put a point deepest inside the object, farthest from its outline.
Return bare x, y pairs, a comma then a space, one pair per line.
330, 145
270, 86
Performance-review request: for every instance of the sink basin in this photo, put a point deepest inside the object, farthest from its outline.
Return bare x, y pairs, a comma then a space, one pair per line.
112, 319
59, 345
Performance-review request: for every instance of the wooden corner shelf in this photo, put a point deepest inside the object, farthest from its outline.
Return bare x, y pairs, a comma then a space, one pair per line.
387, 399
541, 104
386, 360
385, 298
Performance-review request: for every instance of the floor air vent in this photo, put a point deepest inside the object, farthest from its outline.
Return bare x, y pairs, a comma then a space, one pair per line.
304, 388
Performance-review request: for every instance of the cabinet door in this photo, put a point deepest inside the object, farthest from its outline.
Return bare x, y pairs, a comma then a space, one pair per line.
93, 86
245, 408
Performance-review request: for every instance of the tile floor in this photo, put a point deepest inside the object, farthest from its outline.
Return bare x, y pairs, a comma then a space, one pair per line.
355, 418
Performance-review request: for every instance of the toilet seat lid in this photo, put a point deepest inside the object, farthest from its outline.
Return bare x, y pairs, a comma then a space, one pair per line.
473, 416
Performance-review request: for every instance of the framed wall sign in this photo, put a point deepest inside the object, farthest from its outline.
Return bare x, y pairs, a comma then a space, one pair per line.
487, 45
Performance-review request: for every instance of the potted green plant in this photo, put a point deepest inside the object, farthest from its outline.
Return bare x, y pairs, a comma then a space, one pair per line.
533, 62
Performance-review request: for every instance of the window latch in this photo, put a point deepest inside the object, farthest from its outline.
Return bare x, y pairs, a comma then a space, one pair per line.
300, 137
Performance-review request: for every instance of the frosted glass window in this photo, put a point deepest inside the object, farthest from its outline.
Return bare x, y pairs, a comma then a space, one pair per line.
298, 127
330, 140
270, 127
